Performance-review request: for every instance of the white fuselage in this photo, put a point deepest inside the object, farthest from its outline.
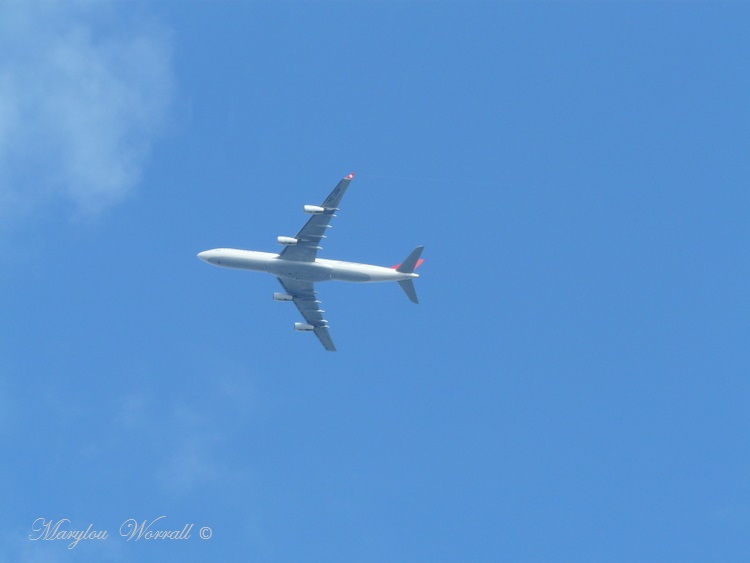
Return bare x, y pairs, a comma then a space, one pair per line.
317, 271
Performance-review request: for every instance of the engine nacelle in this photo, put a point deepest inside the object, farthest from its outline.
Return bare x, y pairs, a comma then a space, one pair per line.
286, 241
303, 327
314, 209
282, 297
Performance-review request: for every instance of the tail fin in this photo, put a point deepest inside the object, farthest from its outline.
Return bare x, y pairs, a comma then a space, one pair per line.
411, 262
408, 287
408, 266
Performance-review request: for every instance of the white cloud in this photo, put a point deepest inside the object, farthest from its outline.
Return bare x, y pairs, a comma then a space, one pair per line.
192, 437
204, 433
84, 90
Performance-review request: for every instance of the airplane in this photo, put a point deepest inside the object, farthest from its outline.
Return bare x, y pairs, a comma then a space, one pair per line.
298, 268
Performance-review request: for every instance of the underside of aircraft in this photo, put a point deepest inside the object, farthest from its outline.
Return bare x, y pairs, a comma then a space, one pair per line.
298, 268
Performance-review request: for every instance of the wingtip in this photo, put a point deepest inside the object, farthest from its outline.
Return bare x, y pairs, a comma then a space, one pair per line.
349, 177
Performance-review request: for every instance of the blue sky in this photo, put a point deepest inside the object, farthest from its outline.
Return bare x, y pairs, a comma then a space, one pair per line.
572, 386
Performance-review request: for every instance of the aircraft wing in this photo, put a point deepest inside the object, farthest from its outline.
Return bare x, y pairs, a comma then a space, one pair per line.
309, 237
303, 295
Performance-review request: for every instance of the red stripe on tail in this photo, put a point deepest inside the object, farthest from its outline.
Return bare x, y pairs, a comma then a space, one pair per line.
419, 263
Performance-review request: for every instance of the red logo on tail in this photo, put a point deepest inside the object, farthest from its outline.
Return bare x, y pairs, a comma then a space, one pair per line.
419, 263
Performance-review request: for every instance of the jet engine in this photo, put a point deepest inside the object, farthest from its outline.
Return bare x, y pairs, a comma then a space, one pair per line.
314, 209
282, 297
286, 240
304, 327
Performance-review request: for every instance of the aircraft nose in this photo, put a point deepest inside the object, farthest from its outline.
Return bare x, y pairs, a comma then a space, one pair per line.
204, 255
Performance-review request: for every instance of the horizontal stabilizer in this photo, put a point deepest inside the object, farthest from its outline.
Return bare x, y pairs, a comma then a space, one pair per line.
411, 292
411, 262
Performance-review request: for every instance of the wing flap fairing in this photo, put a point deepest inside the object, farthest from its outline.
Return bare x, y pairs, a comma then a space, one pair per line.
303, 296
309, 237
